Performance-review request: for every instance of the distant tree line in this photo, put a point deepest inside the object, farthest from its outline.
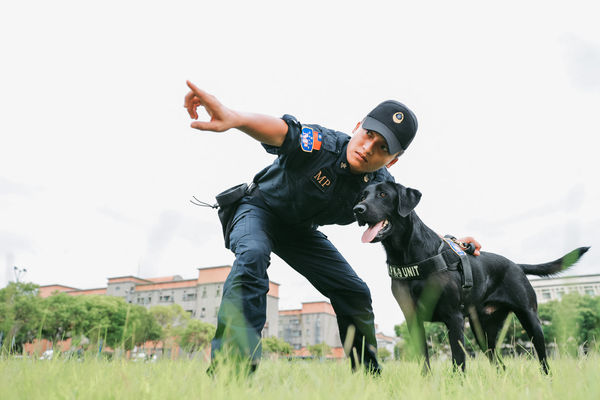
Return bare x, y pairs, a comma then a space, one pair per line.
93, 321
571, 327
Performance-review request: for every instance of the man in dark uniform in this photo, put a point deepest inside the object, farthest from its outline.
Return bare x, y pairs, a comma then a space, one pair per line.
314, 181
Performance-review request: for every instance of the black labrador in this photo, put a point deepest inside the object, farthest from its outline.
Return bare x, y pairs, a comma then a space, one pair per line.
499, 286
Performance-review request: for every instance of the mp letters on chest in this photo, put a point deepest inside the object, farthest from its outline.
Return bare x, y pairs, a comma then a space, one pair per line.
323, 179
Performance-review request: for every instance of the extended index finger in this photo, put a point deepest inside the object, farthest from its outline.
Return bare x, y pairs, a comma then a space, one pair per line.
197, 91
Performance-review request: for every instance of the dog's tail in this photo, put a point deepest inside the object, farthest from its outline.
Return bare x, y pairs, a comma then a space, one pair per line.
556, 266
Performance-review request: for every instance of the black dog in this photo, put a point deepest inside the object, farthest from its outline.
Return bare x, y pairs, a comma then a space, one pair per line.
438, 291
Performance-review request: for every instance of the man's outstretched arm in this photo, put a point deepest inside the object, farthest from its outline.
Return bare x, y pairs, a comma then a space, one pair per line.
264, 128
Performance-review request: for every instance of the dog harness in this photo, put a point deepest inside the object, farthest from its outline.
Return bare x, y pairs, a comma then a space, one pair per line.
451, 257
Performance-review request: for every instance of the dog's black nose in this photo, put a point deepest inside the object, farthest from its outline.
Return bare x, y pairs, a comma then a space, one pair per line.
359, 209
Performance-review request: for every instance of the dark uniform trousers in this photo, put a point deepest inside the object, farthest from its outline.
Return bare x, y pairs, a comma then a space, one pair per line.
257, 232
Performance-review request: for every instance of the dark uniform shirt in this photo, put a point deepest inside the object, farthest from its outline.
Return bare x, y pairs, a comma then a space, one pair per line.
310, 182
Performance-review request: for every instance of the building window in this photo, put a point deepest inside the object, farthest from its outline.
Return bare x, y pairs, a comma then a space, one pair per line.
589, 290
117, 288
189, 296
218, 291
204, 292
165, 299
203, 313
546, 294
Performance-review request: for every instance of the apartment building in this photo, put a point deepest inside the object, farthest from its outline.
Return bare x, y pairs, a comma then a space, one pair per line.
387, 342
548, 289
200, 297
314, 323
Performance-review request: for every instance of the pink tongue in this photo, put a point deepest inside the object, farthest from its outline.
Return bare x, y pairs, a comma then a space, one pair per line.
371, 232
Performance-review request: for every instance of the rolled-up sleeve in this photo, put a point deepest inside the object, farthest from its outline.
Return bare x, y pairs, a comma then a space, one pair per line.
292, 138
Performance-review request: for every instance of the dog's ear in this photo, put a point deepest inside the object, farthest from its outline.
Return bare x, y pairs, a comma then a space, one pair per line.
408, 199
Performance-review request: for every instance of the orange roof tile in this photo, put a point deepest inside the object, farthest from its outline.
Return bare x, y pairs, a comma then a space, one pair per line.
165, 279
87, 291
385, 337
336, 352
317, 307
45, 291
273, 289
129, 278
290, 312
213, 274
166, 285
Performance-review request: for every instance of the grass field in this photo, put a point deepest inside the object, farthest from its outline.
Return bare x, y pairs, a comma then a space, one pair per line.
95, 379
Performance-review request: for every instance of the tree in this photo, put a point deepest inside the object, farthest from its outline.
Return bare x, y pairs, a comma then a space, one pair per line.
319, 350
62, 316
116, 323
196, 335
276, 346
20, 315
171, 318
573, 323
141, 326
383, 354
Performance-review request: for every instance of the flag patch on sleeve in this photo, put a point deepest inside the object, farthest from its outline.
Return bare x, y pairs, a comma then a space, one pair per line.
310, 139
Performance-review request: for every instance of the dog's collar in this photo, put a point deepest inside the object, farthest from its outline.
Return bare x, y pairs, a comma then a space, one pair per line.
422, 269
447, 259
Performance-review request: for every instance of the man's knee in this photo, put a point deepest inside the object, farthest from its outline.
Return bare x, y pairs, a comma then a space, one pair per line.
254, 253
361, 291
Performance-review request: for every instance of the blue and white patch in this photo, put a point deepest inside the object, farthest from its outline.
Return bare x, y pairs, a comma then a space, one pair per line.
310, 139
457, 249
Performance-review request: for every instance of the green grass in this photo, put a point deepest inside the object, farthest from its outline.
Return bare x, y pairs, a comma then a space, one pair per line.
95, 379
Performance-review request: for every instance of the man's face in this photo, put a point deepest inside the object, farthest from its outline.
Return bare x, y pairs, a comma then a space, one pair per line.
368, 151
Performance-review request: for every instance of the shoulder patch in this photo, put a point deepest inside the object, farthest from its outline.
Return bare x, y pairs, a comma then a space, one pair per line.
310, 139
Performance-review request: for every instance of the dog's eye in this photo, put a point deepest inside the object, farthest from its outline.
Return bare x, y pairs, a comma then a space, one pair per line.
363, 197
382, 194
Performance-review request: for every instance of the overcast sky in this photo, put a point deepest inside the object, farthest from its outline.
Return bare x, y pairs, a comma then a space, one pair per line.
97, 160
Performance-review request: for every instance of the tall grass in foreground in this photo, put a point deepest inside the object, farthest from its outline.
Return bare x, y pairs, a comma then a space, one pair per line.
281, 379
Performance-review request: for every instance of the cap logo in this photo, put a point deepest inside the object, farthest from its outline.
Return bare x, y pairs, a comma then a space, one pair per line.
398, 117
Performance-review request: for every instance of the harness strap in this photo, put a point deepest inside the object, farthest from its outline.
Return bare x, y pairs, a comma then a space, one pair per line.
452, 258
467, 273
445, 260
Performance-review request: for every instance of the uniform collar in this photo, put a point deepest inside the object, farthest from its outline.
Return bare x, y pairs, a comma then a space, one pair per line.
342, 167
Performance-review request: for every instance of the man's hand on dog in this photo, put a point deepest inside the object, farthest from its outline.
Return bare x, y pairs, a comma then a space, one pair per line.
470, 239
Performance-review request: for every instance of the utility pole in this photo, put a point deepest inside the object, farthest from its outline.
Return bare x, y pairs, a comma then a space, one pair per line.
18, 273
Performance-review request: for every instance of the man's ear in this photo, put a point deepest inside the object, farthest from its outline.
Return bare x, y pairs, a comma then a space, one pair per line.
408, 199
357, 126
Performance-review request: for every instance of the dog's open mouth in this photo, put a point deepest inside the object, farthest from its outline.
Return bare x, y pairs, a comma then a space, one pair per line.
376, 232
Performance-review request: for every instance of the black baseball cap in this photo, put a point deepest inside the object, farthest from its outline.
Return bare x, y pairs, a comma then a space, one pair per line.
395, 122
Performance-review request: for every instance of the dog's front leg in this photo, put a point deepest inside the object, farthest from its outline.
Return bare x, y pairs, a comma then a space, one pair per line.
414, 322
456, 325
417, 332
